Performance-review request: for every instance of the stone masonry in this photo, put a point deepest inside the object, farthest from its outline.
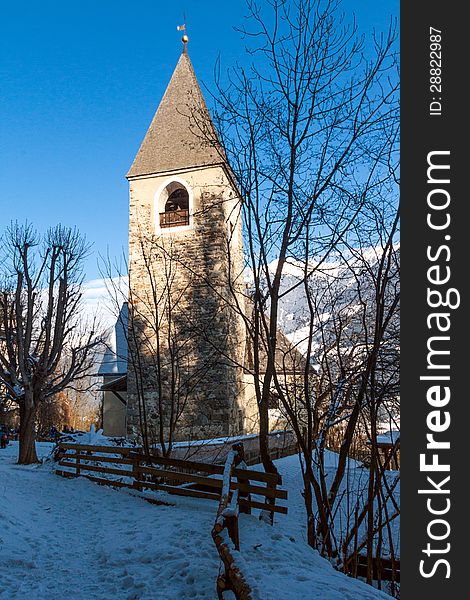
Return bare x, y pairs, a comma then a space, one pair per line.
186, 340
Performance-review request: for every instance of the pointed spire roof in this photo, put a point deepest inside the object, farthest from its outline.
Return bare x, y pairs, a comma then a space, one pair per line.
181, 134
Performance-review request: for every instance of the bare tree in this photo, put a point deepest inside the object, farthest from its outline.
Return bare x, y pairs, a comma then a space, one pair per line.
165, 369
45, 347
311, 132
80, 407
8, 410
52, 413
307, 130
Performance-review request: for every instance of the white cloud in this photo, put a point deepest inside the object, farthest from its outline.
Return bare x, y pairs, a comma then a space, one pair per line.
102, 298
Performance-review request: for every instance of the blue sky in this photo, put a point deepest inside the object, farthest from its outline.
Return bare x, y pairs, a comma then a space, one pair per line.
79, 83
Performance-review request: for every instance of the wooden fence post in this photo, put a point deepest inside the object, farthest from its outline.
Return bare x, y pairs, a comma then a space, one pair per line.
77, 462
231, 523
136, 473
241, 464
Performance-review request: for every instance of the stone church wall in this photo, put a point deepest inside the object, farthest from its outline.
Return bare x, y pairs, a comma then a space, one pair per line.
187, 343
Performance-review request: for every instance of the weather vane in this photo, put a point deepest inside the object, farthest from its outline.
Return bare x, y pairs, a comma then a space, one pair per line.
185, 38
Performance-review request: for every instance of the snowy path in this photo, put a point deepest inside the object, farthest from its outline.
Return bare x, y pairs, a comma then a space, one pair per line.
71, 537
64, 538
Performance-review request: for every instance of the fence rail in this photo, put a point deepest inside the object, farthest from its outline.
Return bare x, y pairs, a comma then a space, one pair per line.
225, 529
135, 470
232, 485
383, 569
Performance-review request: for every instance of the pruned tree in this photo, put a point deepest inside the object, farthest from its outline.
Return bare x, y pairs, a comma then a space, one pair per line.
45, 345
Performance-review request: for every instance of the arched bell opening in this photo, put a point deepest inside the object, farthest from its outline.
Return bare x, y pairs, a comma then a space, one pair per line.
174, 209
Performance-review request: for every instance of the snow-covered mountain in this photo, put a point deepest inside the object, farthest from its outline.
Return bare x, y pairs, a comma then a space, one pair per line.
332, 285
334, 288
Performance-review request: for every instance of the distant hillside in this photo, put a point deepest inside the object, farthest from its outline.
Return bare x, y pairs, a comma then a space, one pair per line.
334, 287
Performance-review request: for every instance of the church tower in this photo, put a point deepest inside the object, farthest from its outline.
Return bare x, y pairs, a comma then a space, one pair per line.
186, 339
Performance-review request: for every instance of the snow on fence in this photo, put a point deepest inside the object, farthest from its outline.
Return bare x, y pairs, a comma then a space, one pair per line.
229, 484
225, 531
129, 467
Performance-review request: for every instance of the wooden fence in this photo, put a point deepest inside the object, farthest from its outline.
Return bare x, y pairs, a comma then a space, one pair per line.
235, 498
230, 485
383, 569
132, 469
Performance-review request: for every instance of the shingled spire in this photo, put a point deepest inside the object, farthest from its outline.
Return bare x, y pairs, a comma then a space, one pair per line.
181, 134
186, 255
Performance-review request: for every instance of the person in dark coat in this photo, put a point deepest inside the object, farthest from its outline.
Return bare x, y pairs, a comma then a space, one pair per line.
3, 439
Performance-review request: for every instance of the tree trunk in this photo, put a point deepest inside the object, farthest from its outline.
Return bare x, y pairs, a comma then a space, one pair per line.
27, 454
311, 534
268, 464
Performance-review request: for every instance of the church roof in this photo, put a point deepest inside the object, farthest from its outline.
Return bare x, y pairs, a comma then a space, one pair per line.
114, 361
181, 134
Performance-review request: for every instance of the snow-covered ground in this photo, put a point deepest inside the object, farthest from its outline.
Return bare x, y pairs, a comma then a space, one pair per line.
70, 538
356, 480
